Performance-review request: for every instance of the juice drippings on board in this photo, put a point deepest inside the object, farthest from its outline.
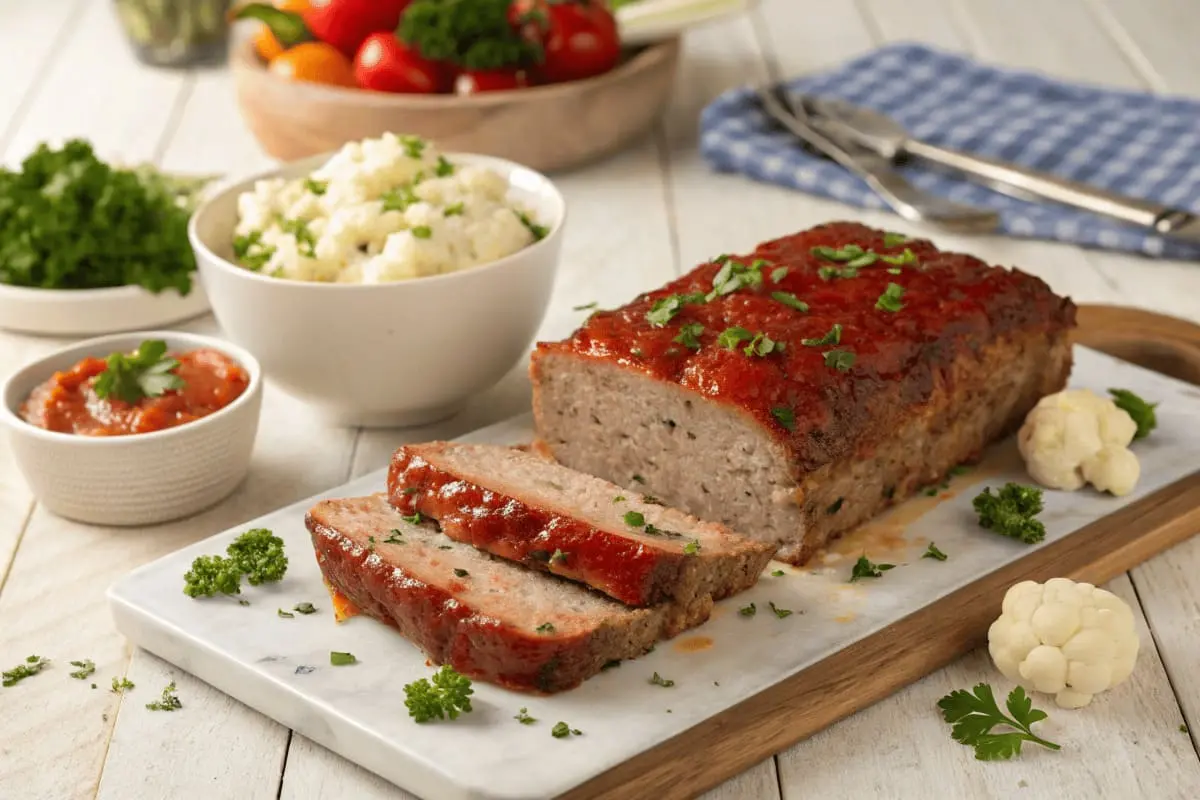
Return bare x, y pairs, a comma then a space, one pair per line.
694, 644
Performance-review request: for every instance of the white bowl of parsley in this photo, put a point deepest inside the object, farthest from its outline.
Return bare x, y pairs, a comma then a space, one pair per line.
136, 478
90, 248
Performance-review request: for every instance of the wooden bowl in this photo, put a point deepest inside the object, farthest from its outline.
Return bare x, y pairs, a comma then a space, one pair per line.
543, 127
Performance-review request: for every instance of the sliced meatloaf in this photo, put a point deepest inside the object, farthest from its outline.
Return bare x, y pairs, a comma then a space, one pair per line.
524, 508
795, 392
487, 618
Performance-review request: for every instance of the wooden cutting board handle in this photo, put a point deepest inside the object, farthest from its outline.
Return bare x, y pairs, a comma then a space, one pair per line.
1156, 341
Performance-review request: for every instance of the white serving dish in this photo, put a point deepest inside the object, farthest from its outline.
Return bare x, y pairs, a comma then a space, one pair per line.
392, 354
358, 712
140, 479
91, 312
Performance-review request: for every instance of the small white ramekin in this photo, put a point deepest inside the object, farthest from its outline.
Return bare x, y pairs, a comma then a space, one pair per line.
140, 479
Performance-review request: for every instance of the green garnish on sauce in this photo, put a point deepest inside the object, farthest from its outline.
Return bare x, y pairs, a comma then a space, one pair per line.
841, 360
1141, 412
890, 299
785, 416
664, 309
892, 239
790, 300
834, 336
146, 372
689, 335
415, 519
778, 274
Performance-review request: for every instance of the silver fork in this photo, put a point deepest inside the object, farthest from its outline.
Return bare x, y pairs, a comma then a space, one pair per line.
893, 188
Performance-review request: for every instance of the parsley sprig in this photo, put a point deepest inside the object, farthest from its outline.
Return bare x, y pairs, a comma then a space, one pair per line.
257, 554
445, 695
1138, 409
865, 568
146, 372
169, 701
1012, 512
974, 716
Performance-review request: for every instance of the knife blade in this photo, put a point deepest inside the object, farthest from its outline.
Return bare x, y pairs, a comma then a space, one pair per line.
887, 138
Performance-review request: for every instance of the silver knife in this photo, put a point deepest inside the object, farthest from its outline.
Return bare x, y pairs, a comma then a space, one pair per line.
892, 187
886, 137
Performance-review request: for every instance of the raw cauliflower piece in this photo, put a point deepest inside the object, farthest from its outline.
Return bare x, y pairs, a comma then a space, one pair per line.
1064, 638
1075, 437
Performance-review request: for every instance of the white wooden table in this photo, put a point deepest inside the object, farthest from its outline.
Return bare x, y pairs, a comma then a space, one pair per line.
636, 220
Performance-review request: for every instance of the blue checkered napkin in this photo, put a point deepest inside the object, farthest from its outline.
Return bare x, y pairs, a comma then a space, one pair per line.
1136, 144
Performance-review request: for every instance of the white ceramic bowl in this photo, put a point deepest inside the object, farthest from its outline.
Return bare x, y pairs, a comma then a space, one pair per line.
391, 354
89, 312
140, 479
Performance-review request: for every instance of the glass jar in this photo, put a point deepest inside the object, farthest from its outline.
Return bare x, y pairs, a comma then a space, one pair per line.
176, 33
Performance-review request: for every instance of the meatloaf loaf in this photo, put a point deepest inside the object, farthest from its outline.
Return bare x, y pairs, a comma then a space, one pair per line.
487, 618
521, 507
795, 392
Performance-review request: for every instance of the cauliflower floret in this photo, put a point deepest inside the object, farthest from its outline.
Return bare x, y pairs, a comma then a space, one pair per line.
501, 233
1064, 638
406, 256
1076, 437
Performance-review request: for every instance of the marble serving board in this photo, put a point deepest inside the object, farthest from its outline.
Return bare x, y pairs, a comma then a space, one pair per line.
281, 667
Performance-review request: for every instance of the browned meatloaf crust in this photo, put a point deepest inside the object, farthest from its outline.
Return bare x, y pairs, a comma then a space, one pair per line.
553, 519
899, 361
487, 618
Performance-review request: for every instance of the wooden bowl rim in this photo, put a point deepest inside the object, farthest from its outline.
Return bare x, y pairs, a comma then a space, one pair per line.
243, 57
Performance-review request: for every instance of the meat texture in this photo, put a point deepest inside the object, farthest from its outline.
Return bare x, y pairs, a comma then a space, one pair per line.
795, 392
521, 507
487, 618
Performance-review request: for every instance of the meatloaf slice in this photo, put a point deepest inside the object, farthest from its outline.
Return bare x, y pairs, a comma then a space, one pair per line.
487, 618
520, 506
795, 392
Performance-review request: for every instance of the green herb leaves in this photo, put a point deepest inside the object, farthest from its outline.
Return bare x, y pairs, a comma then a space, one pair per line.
562, 730
1012, 512
759, 343
865, 568
522, 716
785, 416
251, 252
659, 680
973, 716
780, 613
1138, 409
834, 336
665, 308
146, 372
841, 360
748, 611
32, 666
689, 335
168, 701
790, 300
446, 695
84, 669
257, 554
340, 659
421, 231
933, 552
634, 519
890, 299
539, 231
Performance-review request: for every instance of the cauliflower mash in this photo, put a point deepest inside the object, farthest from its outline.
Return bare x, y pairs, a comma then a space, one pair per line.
380, 210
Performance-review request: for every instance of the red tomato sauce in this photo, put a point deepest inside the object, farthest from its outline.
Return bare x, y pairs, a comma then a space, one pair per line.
68, 403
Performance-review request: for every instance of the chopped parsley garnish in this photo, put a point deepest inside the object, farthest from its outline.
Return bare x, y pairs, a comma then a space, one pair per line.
659, 680
32, 666
890, 299
462, 573
585, 306
524, 718
285, 614
619, 498
762, 345
790, 300
410, 490
973, 716
85, 668
638, 478
562, 730
539, 231
634, 519
257, 554
892, 239
399, 198
1138, 409
421, 231
833, 336
415, 519
545, 627
559, 556
453, 210
250, 251
779, 612
907, 257
1012, 512
835, 506
691, 548
414, 146
847, 253
865, 568
959, 469
841, 360
689, 335
933, 552
613, 664
316, 187
339, 659
146, 372
748, 611
650, 499
371, 543
306, 242
444, 168
730, 338
829, 273
169, 701
777, 573
735, 275
121, 685
785, 416
894, 270
664, 309
445, 695
394, 537
778, 274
